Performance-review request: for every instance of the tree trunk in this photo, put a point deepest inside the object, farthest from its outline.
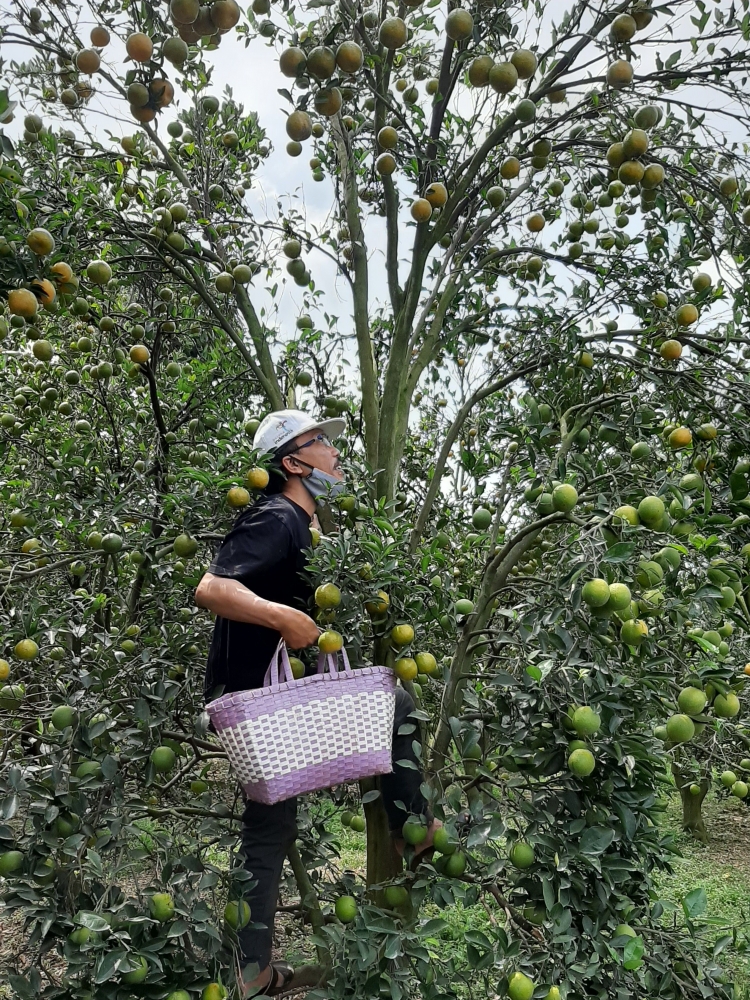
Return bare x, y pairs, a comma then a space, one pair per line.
692, 820
383, 860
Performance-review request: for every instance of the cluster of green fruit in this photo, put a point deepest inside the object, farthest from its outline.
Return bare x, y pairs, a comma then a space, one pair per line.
561, 498
694, 702
586, 723
606, 599
353, 821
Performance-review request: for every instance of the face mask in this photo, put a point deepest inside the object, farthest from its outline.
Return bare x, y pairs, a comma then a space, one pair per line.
320, 485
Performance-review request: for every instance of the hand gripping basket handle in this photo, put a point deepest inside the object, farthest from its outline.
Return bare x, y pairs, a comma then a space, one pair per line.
272, 674
331, 661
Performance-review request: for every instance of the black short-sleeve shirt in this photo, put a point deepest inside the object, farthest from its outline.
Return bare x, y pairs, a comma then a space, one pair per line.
264, 551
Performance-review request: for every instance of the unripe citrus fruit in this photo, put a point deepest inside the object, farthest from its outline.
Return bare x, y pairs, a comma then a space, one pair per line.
520, 987
726, 706
624, 930
238, 497
455, 864
564, 497
522, 855
298, 667
62, 717
686, 314
346, 909
358, 824
459, 24
680, 728
444, 842
586, 722
99, 272
581, 763
651, 511
139, 354
405, 668
396, 895
627, 514
595, 593
402, 635
503, 77
619, 596
728, 778
481, 518
4, 670
479, 71
330, 642
257, 479
138, 974
161, 906
691, 701
26, 649
739, 789
214, 991
464, 606
633, 632
414, 831
426, 663
10, 862
525, 62
163, 758
184, 546
327, 595
378, 606
237, 913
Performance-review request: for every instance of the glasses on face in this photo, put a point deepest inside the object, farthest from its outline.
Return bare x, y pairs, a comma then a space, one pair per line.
322, 438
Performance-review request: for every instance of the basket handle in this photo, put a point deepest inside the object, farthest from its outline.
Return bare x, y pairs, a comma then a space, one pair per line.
281, 654
331, 661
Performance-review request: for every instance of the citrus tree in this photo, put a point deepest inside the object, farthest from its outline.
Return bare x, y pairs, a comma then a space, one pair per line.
546, 526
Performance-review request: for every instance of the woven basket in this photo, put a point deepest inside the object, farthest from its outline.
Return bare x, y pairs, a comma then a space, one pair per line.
291, 737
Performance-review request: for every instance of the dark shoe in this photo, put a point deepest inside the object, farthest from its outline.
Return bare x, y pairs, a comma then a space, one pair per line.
281, 976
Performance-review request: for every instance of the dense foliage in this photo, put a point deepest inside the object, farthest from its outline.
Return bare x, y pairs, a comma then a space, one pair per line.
546, 529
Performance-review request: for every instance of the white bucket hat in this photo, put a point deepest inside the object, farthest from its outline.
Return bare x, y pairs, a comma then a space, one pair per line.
282, 426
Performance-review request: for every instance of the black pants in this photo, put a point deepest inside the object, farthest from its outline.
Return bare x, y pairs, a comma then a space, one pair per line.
269, 831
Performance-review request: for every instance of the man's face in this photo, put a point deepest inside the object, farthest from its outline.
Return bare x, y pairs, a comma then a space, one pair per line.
316, 452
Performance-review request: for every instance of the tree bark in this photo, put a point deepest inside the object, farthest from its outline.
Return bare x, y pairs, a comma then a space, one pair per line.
692, 818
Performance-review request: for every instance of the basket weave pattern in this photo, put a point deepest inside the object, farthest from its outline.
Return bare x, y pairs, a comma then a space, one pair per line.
293, 737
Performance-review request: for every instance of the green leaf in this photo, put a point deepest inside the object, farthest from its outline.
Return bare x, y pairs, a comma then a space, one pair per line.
93, 921
434, 927
596, 840
695, 903
109, 964
620, 552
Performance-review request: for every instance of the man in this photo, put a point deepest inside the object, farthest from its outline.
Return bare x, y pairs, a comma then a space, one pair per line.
256, 588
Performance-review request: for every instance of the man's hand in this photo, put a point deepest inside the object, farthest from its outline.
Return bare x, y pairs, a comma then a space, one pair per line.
297, 629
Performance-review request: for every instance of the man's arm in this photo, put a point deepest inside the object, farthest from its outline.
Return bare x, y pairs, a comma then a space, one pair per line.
228, 598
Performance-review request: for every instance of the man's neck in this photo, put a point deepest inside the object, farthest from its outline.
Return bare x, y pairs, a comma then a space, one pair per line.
297, 493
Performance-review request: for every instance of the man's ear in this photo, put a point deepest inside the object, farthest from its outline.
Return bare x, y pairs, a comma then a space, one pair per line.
290, 465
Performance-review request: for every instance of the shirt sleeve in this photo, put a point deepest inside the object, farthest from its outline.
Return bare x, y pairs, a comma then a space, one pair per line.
252, 549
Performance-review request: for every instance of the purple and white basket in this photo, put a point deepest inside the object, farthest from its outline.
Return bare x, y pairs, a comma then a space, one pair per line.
291, 737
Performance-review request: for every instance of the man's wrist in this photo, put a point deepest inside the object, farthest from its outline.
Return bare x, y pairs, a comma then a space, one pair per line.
274, 614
